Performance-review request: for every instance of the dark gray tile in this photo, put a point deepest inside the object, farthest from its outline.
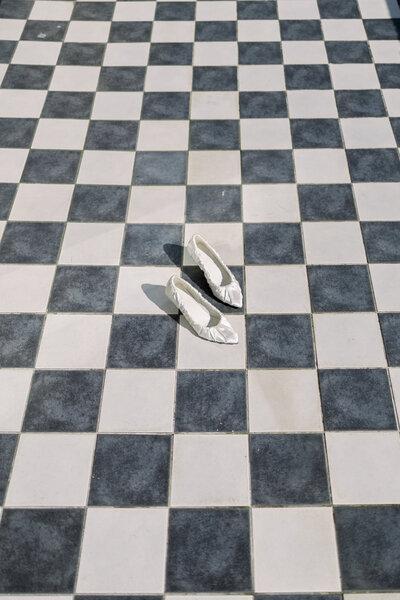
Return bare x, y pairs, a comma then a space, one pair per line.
130, 31
216, 31
316, 133
262, 105
213, 203
208, 550
165, 105
279, 342
160, 168
348, 52
19, 340
195, 276
390, 327
111, 135
296, 29
395, 122
64, 401
28, 77
389, 75
17, 133
338, 9
375, 164
382, 29
214, 135
142, 342
175, 11
8, 443
113, 597
98, 203
39, 550
267, 166
81, 54
68, 105
368, 540
340, 288
360, 103
121, 79
152, 245
298, 597
326, 202
7, 193
307, 77
51, 166
49, 31
273, 243
170, 54
9, 9
29, 242
254, 10
260, 53
288, 469
83, 289
356, 399
214, 79
93, 11
7, 48
382, 241
211, 401
131, 470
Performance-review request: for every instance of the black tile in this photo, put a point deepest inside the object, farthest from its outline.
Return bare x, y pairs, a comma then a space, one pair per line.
307, 77
375, 164
340, 288
214, 79
7, 48
260, 53
214, 135
338, 9
51, 166
382, 29
307, 29
8, 443
27, 77
111, 135
288, 469
215, 31
68, 105
7, 193
389, 75
83, 289
382, 241
396, 129
39, 550
64, 401
81, 54
19, 340
356, 399
98, 203
316, 133
360, 103
152, 245
171, 54
17, 133
326, 202
262, 105
267, 166
252, 9
208, 550
131, 31
131, 470
49, 31
390, 327
165, 105
348, 52
121, 79
142, 342
175, 11
213, 203
160, 168
9, 9
279, 342
93, 11
211, 401
195, 276
369, 547
28, 242
273, 243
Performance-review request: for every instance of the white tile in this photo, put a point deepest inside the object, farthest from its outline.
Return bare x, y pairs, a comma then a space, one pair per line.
334, 243
304, 53
51, 11
42, 202
106, 167
226, 238
385, 51
141, 290
120, 106
277, 289
368, 133
210, 470
11, 29
92, 244
354, 77
321, 166
172, 31
298, 9
214, 105
214, 167
126, 55
224, 10
12, 162
265, 134
123, 551
88, 31
274, 203
157, 204
163, 135
312, 104
59, 348
370, 596
36, 53
51, 469
68, 78
127, 405
36, 597
386, 283
60, 134
215, 53
379, 9
196, 353
343, 30
21, 103
261, 78
25, 288
14, 385
364, 467
349, 340
168, 79
295, 550
378, 201
392, 101
134, 11
395, 379
258, 31
284, 401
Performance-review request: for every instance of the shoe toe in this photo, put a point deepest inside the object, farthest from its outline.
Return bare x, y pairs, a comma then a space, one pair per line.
234, 295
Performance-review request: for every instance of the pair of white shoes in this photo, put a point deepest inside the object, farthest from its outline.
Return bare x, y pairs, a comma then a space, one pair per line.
207, 321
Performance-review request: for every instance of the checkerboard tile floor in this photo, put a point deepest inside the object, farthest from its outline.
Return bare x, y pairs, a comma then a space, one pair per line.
139, 460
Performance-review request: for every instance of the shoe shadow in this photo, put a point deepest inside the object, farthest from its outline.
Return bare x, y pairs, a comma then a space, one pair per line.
156, 293
174, 253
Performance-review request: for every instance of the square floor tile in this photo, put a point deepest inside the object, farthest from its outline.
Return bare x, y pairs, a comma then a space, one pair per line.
300, 29
356, 399
343, 29
214, 79
15, 384
279, 341
175, 11
58, 348
142, 342
340, 9
274, 203
75, 79
298, 9
209, 203
316, 133
123, 551
295, 550
214, 31
360, 103
8, 443
261, 105
348, 52
122, 79
156, 204
208, 550
152, 244
60, 134
340, 288
376, 201
307, 77
210, 470
19, 337
307, 104
28, 77
158, 168
25, 288
140, 11
170, 53
333, 243
163, 135
36, 53
388, 75
165, 105
374, 164
126, 55
327, 202
368, 133
93, 11
214, 167
31, 242
386, 283
354, 77
304, 52
117, 105
273, 243
51, 166
83, 289
122, 411
276, 289
260, 53
210, 401
106, 167
390, 326
261, 78
12, 161
87, 32
257, 30
379, 9
45, 539
261, 134
381, 241
348, 340
181, 31
7, 193
223, 11
392, 97
111, 135
73, 53
142, 290
321, 166
267, 166
9, 10
225, 238
11, 28
99, 203
284, 401
17, 133
92, 244
129, 31
214, 135
68, 105
64, 401
168, 78
251, 9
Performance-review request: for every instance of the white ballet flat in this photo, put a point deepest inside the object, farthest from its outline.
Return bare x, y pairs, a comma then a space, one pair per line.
207, 321
221, 280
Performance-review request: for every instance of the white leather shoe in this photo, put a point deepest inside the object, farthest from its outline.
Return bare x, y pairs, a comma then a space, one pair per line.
221, 280
207, 321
